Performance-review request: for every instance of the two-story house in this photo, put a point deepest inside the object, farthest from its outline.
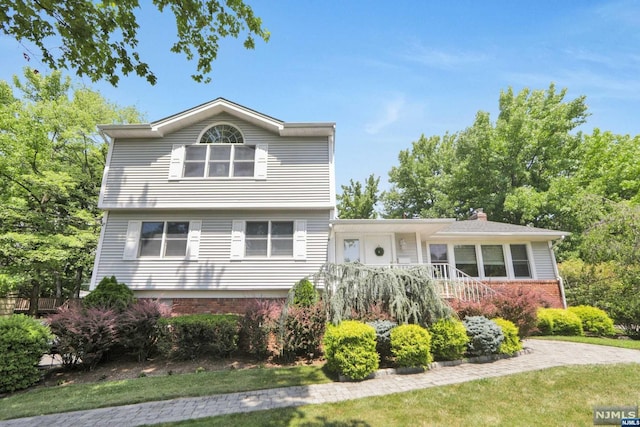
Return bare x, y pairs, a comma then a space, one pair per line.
217, 205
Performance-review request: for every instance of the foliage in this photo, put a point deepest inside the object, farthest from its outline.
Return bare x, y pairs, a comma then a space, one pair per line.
258, 327
376, 311
506, 167
408, 295
84, 335
197, 335
594, 320
304, 293
350, 349
448, 339
109, 294
519, 305
485, 337
137, 328
51, 162
100, 40
411, 346
23, 341
464, 309
383, 330
356, 202
589, 284
303, 330
511, 343
557, 321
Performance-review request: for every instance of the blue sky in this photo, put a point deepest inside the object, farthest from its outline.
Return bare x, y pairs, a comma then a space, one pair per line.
387, 72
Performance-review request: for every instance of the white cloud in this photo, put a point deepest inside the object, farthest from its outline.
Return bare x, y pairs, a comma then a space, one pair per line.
436, 58
390, 114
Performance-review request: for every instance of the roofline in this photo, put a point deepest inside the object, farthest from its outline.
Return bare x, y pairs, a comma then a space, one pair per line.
203, 111
393, 221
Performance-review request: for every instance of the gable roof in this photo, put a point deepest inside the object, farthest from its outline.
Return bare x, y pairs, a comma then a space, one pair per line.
201, 112
493, 228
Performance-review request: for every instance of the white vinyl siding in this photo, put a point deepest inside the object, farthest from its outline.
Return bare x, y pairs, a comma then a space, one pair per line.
214, 269
290, 172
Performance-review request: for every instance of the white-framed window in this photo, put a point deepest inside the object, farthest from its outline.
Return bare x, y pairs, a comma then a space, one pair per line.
220, 152
499, 260
162, 239
351, 250
269, 239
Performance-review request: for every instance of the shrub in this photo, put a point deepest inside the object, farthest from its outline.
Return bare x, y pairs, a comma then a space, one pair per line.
466, 309
23, 341
511, 343
373, 313
484, 335
448, 339
383, 337
258, 327
138, 328
557, 321
84, 335
304, 293
520, 306
196, 335
303, 330
110, 294
411, 345
594, 320
350, 349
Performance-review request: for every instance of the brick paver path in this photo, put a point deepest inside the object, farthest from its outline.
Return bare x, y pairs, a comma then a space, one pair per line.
544, 354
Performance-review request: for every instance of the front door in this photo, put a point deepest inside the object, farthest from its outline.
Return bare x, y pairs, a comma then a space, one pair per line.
378, 249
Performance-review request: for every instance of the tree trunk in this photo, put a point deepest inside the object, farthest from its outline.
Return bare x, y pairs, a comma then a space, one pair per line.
58, 284
35, 294
77, 283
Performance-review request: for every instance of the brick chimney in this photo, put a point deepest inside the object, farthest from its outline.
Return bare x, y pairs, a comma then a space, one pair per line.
478, 215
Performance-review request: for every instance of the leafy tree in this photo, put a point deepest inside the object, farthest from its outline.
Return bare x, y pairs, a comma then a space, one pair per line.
356, 202
51, 161
100, 39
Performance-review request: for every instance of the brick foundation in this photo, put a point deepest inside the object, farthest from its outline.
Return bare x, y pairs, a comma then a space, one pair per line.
181, 306
550, 289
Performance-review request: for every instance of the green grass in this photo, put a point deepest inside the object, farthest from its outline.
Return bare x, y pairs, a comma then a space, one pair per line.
613, 342
558, 396
75, 397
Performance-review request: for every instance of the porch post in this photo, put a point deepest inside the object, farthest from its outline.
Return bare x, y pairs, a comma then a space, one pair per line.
419, 247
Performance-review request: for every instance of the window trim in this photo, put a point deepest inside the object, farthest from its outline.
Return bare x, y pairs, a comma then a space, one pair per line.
238, 245
134, 236
506, 250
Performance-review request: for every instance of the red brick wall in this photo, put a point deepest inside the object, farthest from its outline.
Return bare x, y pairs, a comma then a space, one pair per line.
550, 289
210, 305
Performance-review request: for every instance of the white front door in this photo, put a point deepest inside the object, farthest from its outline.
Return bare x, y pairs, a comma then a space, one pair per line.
378, 249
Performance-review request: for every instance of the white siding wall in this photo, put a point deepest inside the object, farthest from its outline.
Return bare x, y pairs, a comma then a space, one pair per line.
214, 270
543, 260
297, 173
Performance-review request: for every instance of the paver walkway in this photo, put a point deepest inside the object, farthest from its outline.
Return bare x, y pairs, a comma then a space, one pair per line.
544, 354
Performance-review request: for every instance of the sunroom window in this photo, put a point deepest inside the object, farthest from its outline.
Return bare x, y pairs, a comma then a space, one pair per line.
520, 261
493, 261
466, 260
220, 153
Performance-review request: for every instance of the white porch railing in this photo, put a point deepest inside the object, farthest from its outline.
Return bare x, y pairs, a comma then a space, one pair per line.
453, 283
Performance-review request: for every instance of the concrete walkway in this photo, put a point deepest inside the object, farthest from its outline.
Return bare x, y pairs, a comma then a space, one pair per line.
543, 354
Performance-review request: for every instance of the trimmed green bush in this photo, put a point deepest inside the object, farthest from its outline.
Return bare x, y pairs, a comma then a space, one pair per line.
448, 339
383, 337
350, 349
198, 335
109, 294
304, 293
484, 335
511, 343
557, 321
594, 320
23, 341
411, 346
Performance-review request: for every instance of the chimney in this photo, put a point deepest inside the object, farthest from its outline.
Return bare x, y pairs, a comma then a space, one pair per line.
478, 215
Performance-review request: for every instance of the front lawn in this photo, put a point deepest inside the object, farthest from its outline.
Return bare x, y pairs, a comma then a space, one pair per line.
612, 342
551, 397
103, 394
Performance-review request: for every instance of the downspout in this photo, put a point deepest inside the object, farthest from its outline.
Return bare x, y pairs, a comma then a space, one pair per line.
556, 272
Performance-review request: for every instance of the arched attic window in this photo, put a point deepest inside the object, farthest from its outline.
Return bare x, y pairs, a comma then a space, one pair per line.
219, 153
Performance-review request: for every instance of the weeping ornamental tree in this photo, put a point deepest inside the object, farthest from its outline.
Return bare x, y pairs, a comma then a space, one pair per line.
409, 295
